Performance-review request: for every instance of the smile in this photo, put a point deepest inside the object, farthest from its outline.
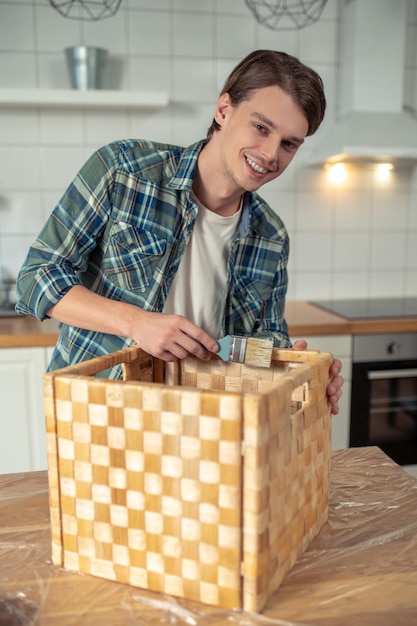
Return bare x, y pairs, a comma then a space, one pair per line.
255, 167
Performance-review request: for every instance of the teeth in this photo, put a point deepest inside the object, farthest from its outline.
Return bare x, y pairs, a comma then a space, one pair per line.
256, 167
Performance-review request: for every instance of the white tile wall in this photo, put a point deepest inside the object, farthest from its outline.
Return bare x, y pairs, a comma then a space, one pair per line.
148, 33
16, 29
354, 240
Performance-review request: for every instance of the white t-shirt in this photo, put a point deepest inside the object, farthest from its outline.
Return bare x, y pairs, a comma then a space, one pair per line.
198, 290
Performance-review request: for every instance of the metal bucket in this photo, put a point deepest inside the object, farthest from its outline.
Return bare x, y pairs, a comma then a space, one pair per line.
86, 66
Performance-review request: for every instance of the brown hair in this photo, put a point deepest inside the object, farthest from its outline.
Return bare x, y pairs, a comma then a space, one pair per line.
264, 68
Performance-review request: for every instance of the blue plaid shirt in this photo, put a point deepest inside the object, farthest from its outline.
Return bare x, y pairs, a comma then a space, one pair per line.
121, 229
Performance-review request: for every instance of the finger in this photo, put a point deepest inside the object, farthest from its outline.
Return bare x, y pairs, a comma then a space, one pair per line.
166, 354
334, 394
199, 336
337, 381
202, 339
300, 345
337, 384
197, 349
182, 345
335, 367
335, 397
334, 409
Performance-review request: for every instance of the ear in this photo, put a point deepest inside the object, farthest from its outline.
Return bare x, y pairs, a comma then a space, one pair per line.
224, 104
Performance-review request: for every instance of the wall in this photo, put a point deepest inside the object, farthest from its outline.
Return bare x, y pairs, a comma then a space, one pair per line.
355, 240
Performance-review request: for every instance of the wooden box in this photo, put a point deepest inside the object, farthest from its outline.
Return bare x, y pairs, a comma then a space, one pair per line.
202, 480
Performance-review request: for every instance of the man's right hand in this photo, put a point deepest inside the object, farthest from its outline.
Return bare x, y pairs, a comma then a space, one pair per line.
167, 337
172, 337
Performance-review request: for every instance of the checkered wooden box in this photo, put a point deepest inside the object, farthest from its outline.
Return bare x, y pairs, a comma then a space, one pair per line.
203, 480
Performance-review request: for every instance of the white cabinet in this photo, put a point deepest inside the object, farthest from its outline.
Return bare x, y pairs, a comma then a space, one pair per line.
22, 421
341, 347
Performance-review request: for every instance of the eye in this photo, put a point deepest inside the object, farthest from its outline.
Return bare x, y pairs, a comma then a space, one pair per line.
261, 128
289, 144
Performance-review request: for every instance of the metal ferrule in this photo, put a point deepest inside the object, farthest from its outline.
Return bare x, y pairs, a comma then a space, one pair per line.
238, 349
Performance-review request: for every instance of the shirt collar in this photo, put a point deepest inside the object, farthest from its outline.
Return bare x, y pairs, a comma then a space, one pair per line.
184, 174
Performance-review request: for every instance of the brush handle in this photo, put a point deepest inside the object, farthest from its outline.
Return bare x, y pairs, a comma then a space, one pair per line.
224, 348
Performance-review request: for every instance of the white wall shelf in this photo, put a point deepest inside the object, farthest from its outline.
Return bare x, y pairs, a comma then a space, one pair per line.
91, 98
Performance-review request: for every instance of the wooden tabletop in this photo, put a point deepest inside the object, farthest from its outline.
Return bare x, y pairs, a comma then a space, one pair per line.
304, 319
361, 569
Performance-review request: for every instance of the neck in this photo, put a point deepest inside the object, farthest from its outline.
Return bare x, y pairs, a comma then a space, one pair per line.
212, 189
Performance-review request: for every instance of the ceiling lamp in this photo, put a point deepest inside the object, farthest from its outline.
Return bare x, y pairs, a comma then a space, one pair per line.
93, 10
286, 14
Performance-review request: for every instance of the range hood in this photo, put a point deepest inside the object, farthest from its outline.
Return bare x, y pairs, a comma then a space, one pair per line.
373, 124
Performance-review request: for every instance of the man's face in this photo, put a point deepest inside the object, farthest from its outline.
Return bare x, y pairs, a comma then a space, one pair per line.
259, 137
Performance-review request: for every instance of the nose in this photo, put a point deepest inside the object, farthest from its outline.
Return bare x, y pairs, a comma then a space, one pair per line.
270, 148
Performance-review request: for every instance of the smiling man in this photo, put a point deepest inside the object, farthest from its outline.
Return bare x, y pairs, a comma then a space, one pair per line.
258, 140
171, 248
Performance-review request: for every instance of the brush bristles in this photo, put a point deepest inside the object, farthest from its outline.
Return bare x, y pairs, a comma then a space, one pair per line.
259, 352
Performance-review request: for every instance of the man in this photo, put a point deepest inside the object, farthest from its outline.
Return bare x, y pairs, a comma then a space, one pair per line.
172, 248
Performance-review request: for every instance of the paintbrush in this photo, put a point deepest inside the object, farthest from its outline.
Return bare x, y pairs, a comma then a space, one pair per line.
248, 350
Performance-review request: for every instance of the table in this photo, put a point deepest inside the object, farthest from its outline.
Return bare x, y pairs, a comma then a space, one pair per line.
360, 570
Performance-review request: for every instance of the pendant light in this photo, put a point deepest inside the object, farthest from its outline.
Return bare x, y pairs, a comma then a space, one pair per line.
286, 14
92, 10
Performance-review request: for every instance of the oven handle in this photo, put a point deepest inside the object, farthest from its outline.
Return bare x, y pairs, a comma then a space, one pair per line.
381, 374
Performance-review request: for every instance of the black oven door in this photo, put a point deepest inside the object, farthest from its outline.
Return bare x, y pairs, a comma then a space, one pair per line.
384, 408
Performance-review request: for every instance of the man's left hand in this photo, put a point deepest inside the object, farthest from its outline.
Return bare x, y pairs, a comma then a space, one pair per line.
334, 388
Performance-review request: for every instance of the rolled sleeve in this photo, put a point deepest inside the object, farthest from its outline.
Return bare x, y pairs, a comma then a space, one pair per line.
39, 289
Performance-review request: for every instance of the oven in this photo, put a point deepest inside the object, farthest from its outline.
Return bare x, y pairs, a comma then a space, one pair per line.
384, 377
384, 394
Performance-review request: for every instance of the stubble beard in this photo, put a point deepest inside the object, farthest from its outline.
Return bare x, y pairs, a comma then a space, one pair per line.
231, 176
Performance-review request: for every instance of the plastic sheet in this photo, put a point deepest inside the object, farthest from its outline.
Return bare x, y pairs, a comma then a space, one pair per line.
360, 569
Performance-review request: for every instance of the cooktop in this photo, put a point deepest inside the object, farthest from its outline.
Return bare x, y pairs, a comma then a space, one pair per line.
370, 308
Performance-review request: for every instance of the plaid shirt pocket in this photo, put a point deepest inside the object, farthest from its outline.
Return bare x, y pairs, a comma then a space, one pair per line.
132, 256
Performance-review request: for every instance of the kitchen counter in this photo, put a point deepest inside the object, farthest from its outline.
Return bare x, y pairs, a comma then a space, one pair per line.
27, 332
360, 569
304, 319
